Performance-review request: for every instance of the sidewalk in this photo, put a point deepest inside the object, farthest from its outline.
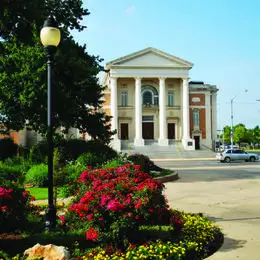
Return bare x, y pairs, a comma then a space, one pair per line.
233, 205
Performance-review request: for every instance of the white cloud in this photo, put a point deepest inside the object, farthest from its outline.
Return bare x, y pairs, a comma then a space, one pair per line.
130, 10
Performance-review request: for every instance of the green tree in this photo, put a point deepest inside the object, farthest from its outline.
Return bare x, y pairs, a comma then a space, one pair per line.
227, 134
18, 17
23, 90
256, 135
239, 134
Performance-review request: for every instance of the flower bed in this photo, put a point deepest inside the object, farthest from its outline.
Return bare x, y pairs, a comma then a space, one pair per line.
118, 213
123, 210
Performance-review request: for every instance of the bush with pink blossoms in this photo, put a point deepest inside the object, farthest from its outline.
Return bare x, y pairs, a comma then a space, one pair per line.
113, 202
14, 208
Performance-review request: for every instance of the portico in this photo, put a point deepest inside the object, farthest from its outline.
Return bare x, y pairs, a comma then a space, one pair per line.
149, 99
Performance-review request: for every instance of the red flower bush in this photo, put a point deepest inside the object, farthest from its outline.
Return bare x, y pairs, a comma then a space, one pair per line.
14, 207
92, 234
176, 222
116, 200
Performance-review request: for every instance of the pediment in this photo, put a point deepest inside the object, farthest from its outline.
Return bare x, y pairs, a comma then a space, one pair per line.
150, 57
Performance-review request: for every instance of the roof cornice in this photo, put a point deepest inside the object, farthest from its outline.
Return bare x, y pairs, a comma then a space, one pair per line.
147, 50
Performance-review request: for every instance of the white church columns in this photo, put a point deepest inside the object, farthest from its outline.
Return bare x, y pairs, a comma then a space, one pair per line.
116, 144
185, 109
163, 141
187, 142
138, 141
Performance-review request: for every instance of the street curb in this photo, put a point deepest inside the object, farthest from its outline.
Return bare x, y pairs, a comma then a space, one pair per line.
168, 178
182, 159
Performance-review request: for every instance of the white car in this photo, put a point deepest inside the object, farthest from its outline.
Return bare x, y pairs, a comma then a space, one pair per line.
236, 155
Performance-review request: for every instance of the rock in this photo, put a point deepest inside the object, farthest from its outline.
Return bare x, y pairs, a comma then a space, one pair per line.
48, 252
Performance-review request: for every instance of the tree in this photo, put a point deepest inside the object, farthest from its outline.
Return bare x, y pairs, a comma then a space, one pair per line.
240, 134
23, 91
227, 134
18, 17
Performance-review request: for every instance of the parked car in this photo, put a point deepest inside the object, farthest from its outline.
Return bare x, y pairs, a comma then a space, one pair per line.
229, 155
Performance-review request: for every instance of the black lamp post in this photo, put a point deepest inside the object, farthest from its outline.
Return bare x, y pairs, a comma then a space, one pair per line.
50, 38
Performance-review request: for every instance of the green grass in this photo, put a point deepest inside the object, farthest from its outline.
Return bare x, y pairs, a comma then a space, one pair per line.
40, 193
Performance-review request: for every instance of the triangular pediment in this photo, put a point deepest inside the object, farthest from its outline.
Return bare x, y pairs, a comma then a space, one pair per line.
150, 57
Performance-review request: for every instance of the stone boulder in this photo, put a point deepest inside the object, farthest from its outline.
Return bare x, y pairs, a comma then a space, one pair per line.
48, 252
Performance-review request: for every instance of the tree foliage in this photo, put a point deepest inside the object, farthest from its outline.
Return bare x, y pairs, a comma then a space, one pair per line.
243, 134
240, 134
18, 17
23, 87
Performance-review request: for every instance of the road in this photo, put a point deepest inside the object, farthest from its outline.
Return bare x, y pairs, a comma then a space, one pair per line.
211, 170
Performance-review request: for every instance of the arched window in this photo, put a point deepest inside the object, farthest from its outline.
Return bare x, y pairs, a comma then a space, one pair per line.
150, 96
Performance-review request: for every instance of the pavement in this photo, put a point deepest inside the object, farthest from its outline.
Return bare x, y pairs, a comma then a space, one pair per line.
233, 205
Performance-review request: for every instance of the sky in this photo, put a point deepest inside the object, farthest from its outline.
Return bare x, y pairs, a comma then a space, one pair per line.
220, 37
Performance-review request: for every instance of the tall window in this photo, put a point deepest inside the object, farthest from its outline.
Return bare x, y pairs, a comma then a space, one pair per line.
124, 98
170, 99
148, 98
196, 119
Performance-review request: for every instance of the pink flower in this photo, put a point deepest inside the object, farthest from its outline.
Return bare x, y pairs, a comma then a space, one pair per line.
90, 217
112, 205
92, 234
63, 220
5, 193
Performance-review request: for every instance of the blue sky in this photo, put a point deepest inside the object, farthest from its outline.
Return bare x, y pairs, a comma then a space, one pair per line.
220, 37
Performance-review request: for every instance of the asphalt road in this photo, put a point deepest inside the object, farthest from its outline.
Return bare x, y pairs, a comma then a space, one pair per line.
211, 170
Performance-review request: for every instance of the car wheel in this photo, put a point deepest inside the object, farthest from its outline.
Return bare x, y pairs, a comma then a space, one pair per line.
252, 159
227, 160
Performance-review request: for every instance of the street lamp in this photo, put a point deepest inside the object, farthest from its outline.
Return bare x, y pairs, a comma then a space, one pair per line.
50, 38
232, 131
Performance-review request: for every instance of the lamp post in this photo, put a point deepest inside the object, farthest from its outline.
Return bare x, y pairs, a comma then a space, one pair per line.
232, 115
50, 38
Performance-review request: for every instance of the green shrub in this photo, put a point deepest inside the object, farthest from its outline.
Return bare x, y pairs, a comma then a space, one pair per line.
102, 151
7, 148
143, 160
71, 149
59, 175
18, 162
11, 173
114, 163
75, 147
88, 159
37, 175
72, 171
38, 153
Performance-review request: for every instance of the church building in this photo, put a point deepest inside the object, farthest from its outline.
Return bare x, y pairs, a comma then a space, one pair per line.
152, 100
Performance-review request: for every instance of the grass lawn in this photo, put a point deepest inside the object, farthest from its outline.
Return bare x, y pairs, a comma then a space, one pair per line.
39, 193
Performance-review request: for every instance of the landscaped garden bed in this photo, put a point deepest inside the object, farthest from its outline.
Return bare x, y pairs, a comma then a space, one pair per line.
117, 211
